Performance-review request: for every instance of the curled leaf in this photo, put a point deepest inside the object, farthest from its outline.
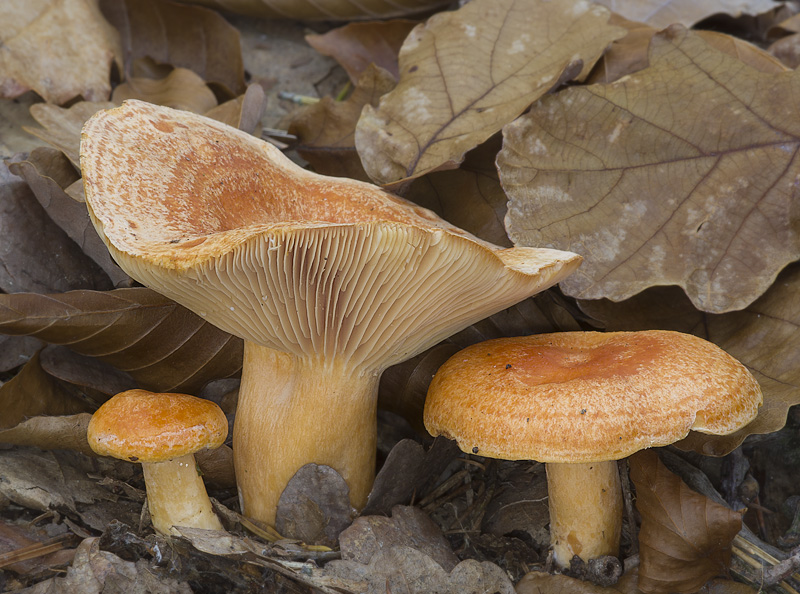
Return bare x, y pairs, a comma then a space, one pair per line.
662, 13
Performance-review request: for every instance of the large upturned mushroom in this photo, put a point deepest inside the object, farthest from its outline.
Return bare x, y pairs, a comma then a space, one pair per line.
578, 401
328, 280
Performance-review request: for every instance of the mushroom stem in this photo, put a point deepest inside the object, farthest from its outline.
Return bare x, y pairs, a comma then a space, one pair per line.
176, 495
295, 411
585, 510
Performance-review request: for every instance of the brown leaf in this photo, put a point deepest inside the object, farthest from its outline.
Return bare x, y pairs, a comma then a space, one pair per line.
470, 197
662, 13
465, 74
35, 254
33, 392
315, 506
17, 350
787, 50
685, 538
181, 89
404, 570
61, 127
14, 117
66, 432
325, 130
183, 36
164, 346
763, 336
49, 173
682, 173
324, 10
521, 505
244, 112
59, 48
357, 45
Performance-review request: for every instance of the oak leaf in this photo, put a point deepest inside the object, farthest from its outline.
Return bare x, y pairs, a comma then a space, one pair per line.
685, 538
465, 74
682, 173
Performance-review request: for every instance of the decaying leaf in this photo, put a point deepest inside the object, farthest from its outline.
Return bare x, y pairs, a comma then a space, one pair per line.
61, 127
26, 232
80, 47
408, 527
315, 506
685, 538
182, 36
662, 13
49, 173
465, 74
181, 89
357, 45
682, 173
325, 10
164, 346
763, 336
325, 130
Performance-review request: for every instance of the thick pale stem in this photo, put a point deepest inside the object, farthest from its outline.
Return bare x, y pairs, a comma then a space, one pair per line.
293, 412
585, 510
176, 496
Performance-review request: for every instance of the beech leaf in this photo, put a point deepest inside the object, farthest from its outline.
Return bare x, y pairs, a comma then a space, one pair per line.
161, 344
465, 74
61, 49
685, 538
682, 173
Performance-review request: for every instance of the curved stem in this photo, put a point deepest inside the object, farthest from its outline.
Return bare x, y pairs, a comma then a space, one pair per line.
293, 412
176, 495
585, 510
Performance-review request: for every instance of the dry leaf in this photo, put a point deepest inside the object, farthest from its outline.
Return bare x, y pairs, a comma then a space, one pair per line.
323, 10
357, 45
465, 74
164, 346
61, 127
49, 173
26, 233
14, 117
787, 50
183, 36
763, 336
66, 432
662, 13
314, 506
520, 505
469, 197
325, 130
682, 173
244, 112
17, 350
685, 538
59, 48
180, 89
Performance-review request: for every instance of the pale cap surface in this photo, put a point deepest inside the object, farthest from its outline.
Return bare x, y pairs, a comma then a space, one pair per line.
143, 426
587, 396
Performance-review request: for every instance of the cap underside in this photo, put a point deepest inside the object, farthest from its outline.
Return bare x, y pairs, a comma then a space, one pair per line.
587, 396
222, 223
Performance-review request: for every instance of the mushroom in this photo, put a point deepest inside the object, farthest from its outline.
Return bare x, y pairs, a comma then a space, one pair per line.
578, 401
328, 280
162, 432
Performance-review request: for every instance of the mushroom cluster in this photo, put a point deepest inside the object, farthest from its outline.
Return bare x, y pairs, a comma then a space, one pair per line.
329, 281
579, 401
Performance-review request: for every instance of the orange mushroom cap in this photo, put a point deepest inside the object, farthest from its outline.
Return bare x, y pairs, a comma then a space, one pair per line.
587, 396
141, 426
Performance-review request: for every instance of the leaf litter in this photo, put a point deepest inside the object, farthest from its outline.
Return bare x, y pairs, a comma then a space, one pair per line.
489, 516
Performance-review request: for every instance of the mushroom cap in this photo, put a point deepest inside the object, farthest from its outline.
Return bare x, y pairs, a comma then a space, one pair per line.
142, 426
226, 225
585, 397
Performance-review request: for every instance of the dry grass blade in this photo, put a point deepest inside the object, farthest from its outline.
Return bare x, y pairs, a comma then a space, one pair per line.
164, 346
